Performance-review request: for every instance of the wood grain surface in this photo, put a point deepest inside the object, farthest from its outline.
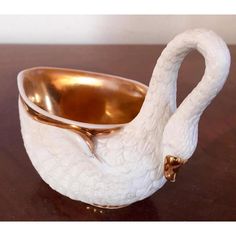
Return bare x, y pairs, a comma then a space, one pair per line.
205, 187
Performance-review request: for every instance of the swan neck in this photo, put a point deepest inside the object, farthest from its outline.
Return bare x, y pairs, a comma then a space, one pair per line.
161, 97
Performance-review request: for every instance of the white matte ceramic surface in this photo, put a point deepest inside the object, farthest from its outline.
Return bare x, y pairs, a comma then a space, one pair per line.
130, 164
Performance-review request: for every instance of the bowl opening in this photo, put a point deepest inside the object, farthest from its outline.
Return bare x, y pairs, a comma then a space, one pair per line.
83, 96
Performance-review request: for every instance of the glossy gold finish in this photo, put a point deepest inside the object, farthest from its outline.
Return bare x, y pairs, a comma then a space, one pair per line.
85, 134
85, 97
171, 167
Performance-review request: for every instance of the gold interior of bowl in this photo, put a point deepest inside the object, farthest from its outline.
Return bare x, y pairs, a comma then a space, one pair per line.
83, 96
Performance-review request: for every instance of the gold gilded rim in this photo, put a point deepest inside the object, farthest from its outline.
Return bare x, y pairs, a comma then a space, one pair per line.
138, 89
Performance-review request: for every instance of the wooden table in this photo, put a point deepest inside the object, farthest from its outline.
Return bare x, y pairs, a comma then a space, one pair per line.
206, 185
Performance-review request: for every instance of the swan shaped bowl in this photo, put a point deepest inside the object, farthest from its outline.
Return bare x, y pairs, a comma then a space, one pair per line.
109, 141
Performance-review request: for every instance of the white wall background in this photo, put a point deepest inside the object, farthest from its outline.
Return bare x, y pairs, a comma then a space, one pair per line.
104, 29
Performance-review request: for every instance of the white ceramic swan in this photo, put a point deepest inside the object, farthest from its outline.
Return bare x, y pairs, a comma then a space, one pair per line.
128, 165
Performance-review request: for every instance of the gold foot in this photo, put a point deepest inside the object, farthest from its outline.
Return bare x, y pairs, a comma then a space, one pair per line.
109, 207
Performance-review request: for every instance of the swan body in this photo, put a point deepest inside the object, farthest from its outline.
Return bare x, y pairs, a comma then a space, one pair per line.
129, 163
